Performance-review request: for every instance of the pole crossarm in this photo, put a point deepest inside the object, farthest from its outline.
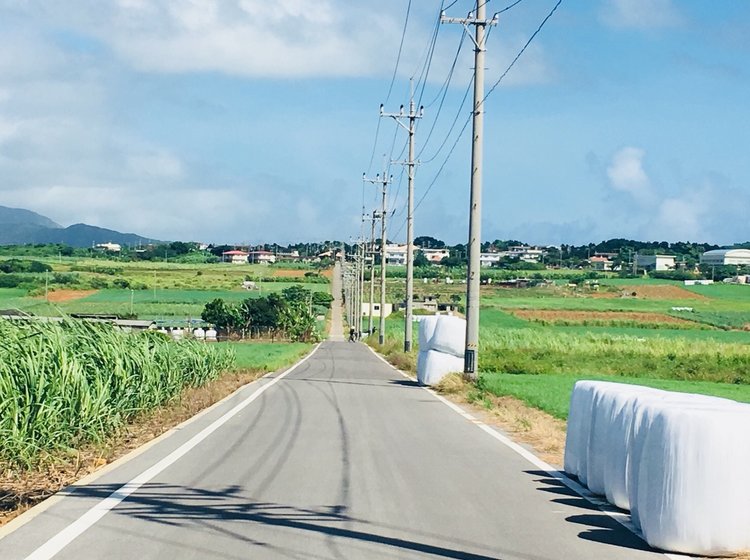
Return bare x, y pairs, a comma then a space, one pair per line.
471, 20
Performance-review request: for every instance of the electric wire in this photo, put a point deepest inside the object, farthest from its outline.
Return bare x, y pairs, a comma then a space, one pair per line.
494, 86
400, 48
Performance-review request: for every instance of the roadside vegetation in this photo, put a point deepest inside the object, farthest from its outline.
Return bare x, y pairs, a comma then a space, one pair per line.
63, 385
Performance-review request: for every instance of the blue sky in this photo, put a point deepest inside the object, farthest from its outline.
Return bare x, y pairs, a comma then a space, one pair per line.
252, 121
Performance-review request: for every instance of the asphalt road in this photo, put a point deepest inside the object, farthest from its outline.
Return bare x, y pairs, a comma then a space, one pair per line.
342, 458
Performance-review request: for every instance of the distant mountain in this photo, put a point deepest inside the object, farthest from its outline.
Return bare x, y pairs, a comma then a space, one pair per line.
20, 216
19, 227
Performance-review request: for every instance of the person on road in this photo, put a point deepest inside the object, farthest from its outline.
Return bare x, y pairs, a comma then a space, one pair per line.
352, 333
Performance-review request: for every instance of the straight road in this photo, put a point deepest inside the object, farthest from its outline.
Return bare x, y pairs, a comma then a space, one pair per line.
342, 458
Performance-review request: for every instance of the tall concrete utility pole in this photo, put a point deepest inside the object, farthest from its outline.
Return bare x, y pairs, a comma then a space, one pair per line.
475, 206
384, 181
410, 163
375, 216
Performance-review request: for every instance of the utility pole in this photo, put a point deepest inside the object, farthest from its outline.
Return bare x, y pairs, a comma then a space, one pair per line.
475, 207
375, 216
361, 278
410, 163
384, 181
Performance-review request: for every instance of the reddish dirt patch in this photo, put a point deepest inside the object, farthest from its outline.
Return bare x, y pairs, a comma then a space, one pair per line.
59, 296
328, 273
663, 291
289, 273
554, 316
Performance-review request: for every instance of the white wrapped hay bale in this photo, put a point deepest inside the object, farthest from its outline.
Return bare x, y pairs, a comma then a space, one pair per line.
432, 366
693, 492
645, 407
608, 443
421, 362
586, 394
427, 326
621, 414
449, 336
579, 426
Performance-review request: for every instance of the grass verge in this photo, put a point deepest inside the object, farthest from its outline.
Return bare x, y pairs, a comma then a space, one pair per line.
551, 393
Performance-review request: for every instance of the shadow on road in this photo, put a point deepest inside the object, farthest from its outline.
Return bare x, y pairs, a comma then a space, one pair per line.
600, 527
178, 506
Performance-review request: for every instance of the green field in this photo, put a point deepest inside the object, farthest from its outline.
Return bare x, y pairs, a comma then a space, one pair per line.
539, 361
150, 290
266, 356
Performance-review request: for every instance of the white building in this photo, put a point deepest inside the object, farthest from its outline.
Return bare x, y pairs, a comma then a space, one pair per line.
388, 309
489, 259
655, 262
721, 257
600, 263
110, 247
261, 257
235, 257
395, 254
523, 253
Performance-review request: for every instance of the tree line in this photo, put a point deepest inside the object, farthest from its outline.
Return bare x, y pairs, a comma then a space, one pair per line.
292, 312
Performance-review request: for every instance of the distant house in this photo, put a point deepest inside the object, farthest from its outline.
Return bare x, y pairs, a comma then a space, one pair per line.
489, 259
376, 309
261, 257
292, 256
235, 257
655, 262
435, 255
109, 247
600, 263
395, 254
524, 253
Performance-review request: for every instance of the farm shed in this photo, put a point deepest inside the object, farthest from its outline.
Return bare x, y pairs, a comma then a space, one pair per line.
721, 257
655, 262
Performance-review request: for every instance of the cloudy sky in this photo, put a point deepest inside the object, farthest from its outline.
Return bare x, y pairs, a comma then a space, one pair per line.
253, 121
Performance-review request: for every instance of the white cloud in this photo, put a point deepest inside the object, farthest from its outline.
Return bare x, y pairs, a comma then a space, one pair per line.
160, 164
626, 174
640, 14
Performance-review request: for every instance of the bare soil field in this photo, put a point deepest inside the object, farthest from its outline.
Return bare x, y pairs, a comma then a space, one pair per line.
281, 273
59, 296
662, 291
562, 315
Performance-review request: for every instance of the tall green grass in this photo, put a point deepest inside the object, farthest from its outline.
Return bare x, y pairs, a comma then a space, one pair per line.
544, 351
71, 383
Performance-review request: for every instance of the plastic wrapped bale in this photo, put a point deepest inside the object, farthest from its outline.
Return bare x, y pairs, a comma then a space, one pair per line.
436, 365
607, 446
645, 406
421, 363
449, 336
694, 491
579, 426
616, 460
427, 326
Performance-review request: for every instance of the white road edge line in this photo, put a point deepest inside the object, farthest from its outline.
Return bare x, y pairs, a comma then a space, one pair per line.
622, 518
54, 545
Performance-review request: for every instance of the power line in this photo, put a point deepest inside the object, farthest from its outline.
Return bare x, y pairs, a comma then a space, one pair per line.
495, 85
400, 48
533, 35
